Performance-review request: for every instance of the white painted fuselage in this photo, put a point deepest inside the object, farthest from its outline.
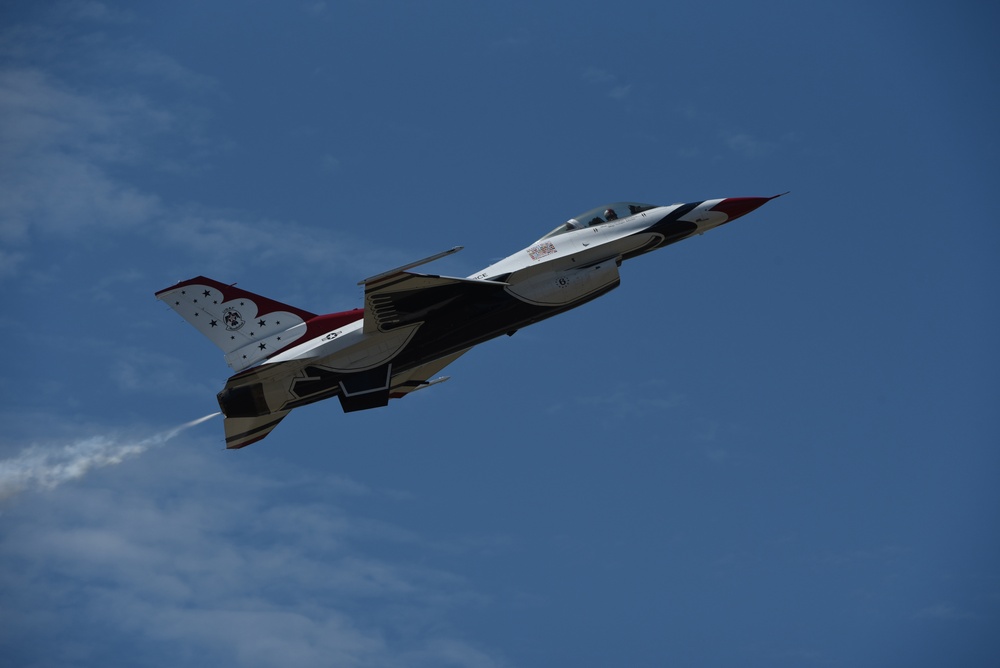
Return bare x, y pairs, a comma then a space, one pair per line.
413, 325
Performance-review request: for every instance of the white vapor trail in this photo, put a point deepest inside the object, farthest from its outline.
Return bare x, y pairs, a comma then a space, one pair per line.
41, 467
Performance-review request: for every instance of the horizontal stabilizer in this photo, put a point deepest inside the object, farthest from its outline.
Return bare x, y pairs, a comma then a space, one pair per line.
242, 431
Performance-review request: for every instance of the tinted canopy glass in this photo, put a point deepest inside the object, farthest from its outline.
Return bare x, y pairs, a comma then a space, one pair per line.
600, 214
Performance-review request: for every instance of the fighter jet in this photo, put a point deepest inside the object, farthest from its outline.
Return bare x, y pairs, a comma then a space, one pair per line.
415, 324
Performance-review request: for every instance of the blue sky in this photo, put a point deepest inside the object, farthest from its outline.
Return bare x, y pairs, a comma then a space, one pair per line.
773, 445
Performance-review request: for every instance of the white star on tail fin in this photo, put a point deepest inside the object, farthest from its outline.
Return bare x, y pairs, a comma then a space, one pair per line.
247, 327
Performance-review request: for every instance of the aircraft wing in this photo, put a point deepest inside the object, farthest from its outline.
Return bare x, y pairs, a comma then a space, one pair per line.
399, 297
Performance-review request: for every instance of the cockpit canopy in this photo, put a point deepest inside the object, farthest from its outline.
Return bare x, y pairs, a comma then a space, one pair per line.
599, 215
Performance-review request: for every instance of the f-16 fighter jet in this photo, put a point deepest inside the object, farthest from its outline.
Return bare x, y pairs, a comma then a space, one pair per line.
414, 324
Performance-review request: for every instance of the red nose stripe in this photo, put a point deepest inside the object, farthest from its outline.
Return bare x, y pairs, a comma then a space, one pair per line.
734, 207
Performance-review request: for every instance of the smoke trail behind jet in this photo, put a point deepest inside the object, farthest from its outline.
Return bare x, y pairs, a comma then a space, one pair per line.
47, 467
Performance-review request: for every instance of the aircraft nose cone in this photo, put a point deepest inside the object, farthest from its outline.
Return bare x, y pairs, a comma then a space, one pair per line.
734, 207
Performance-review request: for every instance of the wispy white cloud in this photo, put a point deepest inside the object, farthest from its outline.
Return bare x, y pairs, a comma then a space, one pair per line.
723, 137
944, 612
707, 436
90, 10
56, 146
330, 163
10, 263
598, 75
746, 144
315, 8
61, 149
230, 242
620, 92
133, 368
611, 83
243, 568
48, 466
77, 158
633, 401
888, 555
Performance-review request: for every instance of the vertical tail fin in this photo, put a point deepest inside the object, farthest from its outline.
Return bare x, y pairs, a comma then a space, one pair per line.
247, 327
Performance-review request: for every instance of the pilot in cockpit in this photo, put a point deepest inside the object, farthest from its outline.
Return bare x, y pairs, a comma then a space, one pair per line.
609, 214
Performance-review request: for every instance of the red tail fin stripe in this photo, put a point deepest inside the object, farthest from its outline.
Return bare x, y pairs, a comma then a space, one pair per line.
231, 292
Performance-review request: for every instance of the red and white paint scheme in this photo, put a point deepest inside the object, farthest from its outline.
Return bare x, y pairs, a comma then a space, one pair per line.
414, 324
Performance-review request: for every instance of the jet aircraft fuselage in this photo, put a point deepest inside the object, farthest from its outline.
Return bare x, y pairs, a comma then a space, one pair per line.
414, 324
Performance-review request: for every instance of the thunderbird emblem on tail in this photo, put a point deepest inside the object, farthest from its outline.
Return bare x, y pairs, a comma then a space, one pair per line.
413, 324
233, 319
